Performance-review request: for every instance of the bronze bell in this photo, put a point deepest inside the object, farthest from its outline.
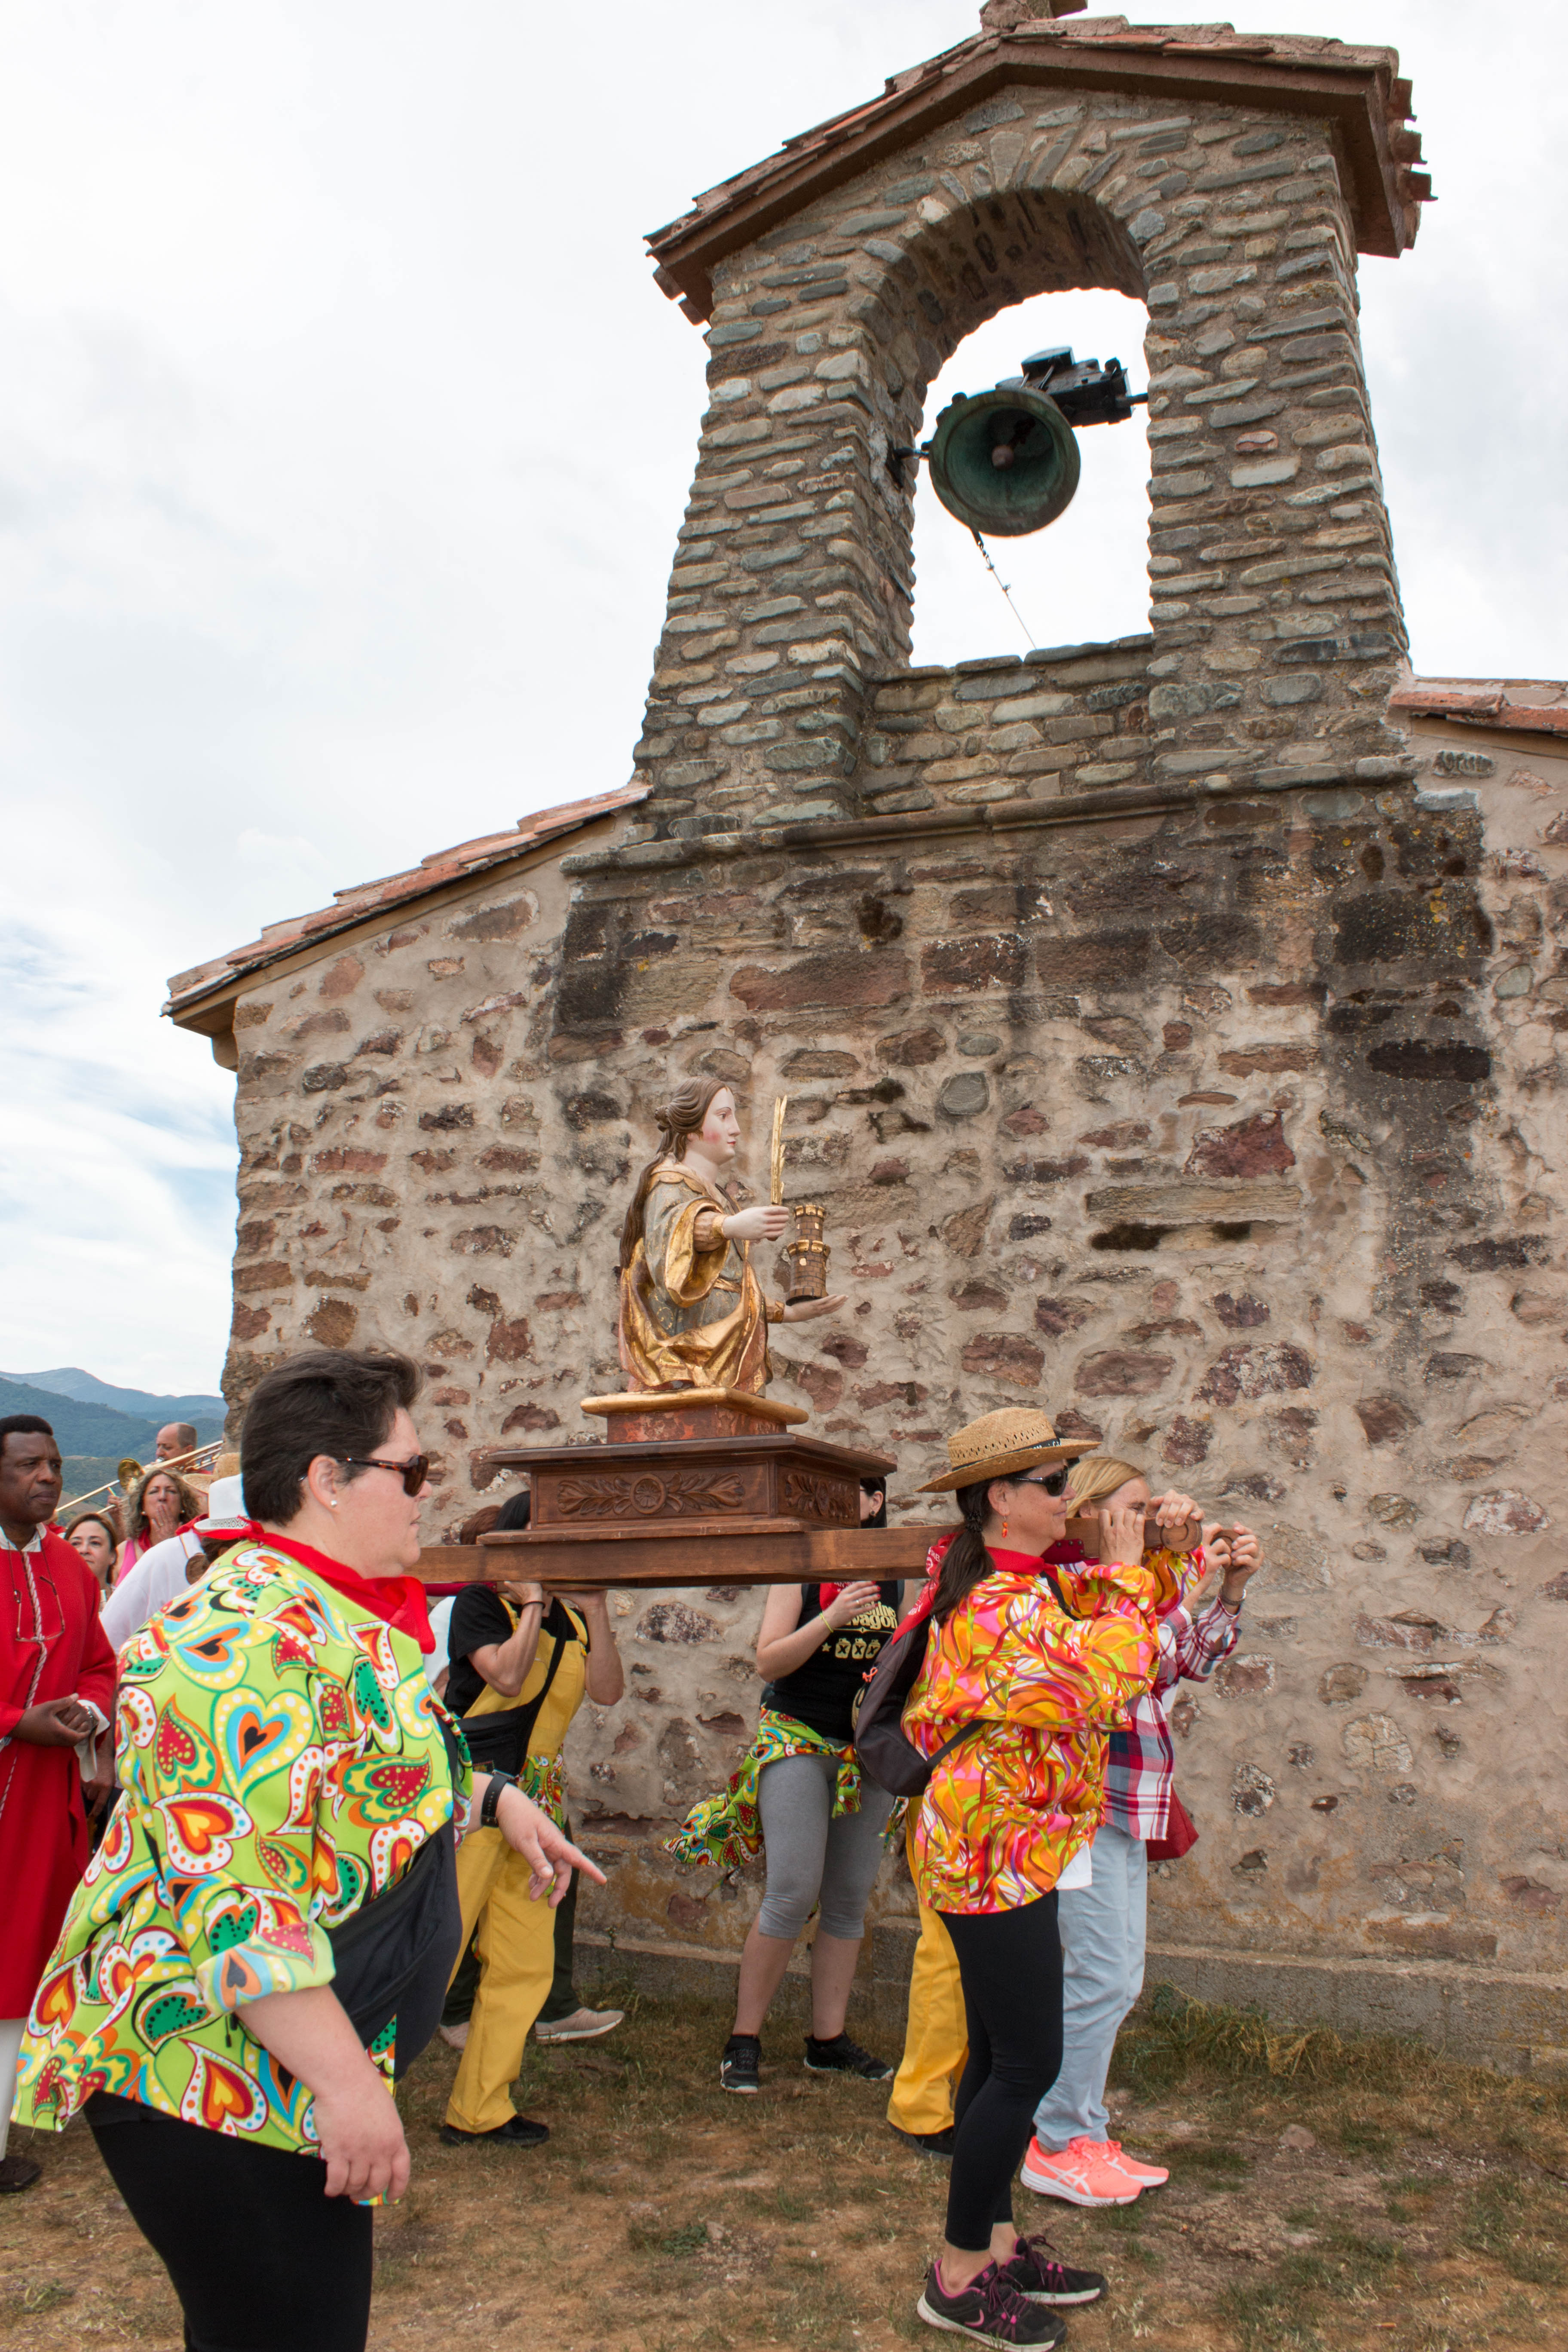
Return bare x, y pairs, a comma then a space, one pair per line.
1005, 462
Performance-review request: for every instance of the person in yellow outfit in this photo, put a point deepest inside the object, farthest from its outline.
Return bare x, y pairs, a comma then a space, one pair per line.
936, 2038
520, 1669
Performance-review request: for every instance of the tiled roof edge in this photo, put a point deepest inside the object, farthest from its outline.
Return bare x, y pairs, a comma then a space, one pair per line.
353, 906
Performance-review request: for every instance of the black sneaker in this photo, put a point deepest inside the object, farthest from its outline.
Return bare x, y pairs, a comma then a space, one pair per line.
738, 2066
936, 2143
518, 2132
842, 2056
989, 2311
1035, 2271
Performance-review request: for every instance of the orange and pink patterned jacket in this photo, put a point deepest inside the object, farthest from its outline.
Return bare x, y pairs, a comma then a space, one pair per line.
1003, 1815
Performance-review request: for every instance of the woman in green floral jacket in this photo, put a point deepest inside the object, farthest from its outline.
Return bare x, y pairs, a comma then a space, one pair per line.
285, 1767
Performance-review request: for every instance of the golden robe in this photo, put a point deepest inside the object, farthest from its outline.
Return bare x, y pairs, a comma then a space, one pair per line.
691, 1317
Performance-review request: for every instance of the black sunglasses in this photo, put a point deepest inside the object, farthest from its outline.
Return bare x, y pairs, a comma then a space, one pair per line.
412, 1474
1053, 1484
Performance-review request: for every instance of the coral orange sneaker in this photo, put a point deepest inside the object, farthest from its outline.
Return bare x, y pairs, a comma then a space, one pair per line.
1145, 2176
1077, 2174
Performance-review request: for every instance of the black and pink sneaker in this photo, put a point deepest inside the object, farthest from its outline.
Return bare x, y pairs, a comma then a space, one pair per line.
1034, 2271
989, 2310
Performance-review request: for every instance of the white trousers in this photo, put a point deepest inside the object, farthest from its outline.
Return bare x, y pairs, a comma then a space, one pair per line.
11, 2032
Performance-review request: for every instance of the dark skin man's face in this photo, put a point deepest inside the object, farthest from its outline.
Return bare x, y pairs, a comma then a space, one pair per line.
31, 1475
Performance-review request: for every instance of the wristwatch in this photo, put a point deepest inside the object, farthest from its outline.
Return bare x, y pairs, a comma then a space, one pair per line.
490, 1803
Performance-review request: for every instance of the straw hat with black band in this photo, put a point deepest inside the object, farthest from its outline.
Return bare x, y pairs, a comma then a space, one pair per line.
1002, 1446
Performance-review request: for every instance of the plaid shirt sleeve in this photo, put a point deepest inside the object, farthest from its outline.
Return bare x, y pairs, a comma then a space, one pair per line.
1200, 1643
1141, 1767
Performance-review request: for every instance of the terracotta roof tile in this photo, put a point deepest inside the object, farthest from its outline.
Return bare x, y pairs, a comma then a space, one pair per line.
186, 989
1358, 85
1531, 706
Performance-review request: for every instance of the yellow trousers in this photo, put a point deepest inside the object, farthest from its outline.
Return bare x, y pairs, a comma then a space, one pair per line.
517, 1964
936, 2038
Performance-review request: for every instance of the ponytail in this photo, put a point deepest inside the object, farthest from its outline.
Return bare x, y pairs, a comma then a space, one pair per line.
966, 1561
680, 1119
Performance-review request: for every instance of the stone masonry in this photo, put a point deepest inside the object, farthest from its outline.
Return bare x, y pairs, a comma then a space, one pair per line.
1171, 1027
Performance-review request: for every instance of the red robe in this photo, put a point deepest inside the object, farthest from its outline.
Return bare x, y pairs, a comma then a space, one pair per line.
48, 1598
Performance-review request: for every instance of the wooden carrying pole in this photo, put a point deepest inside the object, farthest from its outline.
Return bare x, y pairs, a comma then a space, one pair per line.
830, 1555
825, 1555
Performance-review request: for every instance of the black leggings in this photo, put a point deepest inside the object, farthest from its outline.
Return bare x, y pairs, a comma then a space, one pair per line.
1010, 1964
261, 2258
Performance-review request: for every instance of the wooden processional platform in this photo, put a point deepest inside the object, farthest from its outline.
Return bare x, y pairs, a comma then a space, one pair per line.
691, 1486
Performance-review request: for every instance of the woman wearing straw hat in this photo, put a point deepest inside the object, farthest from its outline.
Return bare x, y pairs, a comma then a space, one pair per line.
1006, 1812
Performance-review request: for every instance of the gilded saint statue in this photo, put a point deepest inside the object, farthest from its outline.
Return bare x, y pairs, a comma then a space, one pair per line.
693, 1313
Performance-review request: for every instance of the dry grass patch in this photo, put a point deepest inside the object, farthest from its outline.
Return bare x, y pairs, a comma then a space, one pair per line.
1327, 2195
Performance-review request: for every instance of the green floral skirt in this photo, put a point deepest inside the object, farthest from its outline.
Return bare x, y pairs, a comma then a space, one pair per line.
727, 1830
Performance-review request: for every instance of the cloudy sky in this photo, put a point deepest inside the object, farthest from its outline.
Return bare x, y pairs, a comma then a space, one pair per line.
344, 438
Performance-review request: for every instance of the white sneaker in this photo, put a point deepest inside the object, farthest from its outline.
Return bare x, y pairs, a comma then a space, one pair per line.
583, 2025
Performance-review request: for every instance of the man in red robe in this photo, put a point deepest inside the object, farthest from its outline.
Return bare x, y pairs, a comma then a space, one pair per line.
56, 1690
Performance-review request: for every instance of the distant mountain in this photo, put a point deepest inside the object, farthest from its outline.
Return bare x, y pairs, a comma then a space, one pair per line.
86, 1389
95, 1429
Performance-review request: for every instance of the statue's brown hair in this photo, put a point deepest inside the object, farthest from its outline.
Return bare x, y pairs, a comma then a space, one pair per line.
680, 1119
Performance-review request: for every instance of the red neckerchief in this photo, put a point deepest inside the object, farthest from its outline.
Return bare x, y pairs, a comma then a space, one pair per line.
397, 1601
1012, 1563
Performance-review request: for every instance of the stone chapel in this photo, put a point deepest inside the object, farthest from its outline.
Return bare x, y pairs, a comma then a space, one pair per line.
1170, 1026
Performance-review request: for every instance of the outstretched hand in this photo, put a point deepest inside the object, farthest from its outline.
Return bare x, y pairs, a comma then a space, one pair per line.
548, 1851
801, 1310
765, 1223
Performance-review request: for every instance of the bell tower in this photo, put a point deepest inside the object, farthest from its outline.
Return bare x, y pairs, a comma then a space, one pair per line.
1229, 183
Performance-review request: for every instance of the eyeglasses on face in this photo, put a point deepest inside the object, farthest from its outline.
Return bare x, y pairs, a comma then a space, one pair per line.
412, 1474
1054, 1482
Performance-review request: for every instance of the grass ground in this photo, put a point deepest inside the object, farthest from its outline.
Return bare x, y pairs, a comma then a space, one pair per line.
1325, 2197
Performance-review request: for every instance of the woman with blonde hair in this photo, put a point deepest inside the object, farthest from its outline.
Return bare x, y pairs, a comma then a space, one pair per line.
1103, 1923
161, 1502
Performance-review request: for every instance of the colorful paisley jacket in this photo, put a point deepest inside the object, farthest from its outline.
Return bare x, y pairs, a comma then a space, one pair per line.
282, 1760
1003, 1815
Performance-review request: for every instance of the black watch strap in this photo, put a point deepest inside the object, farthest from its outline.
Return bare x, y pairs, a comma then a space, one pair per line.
489, 1802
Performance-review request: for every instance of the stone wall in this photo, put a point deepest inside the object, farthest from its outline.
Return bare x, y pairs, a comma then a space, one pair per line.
1274, 607
1224, 1126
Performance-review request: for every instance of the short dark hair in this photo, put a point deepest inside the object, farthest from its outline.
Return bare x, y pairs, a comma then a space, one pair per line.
23, 1424
332, 1400
514, 1513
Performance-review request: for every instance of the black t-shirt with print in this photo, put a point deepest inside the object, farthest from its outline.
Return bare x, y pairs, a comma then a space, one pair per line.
822, 1693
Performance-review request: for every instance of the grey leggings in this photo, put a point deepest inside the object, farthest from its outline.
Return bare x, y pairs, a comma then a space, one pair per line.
812, 1858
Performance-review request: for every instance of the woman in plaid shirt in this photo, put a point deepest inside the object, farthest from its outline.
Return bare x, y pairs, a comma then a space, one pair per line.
1072, 2154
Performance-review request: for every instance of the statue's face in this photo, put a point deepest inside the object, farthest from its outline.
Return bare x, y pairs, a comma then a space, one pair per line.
720, 1135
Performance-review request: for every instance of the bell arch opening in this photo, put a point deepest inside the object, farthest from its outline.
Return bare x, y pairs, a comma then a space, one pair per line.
1081, 577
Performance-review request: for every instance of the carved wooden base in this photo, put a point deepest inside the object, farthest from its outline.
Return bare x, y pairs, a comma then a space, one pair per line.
769, 1481
693, 1487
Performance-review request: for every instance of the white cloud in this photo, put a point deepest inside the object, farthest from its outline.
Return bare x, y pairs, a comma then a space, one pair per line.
344, 437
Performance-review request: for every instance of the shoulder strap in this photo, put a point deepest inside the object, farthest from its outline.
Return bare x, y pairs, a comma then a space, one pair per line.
529, 1711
